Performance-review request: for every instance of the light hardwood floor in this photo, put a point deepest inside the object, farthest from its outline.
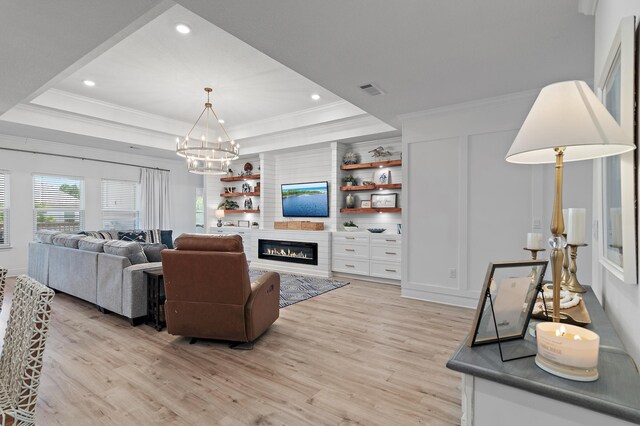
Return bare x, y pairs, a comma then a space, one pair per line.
360, 354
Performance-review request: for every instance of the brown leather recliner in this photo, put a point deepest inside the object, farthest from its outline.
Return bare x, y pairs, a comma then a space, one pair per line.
209, 294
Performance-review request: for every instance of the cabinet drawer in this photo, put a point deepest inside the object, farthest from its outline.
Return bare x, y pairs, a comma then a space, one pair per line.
351, 238
385, 270
386, 253
386, 240
351, 250
351, 266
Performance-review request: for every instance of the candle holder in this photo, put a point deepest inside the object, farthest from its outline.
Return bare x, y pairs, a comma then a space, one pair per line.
534, 252
572, 284
565, 265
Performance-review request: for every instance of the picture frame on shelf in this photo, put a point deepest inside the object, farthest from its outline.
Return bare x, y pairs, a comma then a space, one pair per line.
244, 224
365, 204
381, 201
507, 300
382, 177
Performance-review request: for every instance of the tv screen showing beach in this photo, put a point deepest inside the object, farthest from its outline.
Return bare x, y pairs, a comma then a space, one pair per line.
305, 199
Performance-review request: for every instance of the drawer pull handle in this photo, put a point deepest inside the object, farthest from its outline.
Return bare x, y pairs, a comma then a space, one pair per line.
350, 238
390, 252
391, 270
350, 266
390, 241
349, 250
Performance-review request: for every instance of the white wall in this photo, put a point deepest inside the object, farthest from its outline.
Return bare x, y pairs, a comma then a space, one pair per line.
21, 166
464, 205
621, 301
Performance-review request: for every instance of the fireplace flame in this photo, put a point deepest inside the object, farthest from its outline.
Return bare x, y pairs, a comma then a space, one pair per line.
286, 253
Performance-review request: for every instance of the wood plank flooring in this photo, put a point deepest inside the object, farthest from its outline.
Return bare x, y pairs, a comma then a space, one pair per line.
358, 355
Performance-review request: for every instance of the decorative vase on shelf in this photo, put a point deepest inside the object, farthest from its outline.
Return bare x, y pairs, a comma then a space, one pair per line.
350, 201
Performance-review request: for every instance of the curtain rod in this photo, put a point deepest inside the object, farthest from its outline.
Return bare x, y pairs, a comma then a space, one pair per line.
83, 158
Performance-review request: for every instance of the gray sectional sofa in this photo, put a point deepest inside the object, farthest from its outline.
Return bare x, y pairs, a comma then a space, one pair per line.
74, 265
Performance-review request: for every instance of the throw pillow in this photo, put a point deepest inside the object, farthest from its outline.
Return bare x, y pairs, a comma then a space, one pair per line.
153, 235
131, 250
166, 237
138, 236
92, 244
152, 251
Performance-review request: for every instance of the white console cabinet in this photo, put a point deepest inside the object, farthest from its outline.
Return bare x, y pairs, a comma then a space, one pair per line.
373, 255
245, 233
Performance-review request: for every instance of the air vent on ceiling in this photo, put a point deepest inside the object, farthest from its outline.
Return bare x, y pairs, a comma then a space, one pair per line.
372, 89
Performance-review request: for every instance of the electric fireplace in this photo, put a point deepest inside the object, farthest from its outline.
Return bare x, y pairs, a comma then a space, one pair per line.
288, 251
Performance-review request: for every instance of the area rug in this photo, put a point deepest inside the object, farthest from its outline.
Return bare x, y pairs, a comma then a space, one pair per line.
298, 288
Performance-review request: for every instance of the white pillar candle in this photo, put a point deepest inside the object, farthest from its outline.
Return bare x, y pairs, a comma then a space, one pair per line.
615, 216
534, 241
575, 232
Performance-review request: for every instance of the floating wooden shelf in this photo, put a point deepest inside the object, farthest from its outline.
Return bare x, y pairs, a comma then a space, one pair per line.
240, 194
375, 165
239, 178
373, 210
241, 211
371, 187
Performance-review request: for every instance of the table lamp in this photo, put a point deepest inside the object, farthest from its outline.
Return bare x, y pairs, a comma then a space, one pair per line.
567, 122
219, 215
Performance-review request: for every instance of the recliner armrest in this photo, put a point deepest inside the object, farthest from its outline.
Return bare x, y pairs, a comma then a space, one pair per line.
263, 305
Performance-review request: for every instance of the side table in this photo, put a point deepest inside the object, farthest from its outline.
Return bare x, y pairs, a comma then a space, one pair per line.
155, 299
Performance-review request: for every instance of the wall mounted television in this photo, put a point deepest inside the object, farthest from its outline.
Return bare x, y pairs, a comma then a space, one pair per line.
310, 199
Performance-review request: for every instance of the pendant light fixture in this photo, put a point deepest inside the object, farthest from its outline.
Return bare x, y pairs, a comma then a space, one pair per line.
211, 152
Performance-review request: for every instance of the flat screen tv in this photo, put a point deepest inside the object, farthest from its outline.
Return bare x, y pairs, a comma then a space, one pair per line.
309, 199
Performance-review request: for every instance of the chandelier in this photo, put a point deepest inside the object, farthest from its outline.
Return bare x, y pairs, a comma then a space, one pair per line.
214, 150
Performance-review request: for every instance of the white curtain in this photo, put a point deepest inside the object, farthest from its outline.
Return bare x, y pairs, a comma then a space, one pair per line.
155, 199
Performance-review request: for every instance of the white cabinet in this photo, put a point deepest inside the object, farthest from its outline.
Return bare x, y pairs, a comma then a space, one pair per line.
373, 255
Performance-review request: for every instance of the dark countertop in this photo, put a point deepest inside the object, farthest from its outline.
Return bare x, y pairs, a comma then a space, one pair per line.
616, 392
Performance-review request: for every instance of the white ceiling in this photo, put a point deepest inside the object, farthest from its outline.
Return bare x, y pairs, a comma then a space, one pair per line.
422, 53
160, 71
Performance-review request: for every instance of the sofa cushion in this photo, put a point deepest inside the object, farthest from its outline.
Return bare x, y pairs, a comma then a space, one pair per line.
104, 235
92, 244
46, 236
129, 249
200, 242
138, 236
61, 239
152, 251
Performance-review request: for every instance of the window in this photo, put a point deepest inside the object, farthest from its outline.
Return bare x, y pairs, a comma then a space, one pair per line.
119, 204
4, 209
58, 203
200, 210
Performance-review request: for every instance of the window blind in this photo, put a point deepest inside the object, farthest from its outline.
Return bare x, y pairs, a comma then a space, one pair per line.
58, 203
4, 209
120, 204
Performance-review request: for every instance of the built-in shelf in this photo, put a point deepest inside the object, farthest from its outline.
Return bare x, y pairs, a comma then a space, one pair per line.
374, 165
373, 210
371, 187
240, 194
241, 211
239, 178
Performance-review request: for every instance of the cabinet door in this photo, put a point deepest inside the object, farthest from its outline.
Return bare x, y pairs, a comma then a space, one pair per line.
386, 253
389, 270
350, 251
351, 266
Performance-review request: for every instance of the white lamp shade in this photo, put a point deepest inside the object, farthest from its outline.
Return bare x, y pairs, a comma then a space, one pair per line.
219, 214
568, 114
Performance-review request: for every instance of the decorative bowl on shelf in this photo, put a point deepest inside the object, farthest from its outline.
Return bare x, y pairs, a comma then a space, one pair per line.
376, 230
350, 228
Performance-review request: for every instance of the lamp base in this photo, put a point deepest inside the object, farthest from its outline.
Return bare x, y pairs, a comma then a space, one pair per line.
565, 371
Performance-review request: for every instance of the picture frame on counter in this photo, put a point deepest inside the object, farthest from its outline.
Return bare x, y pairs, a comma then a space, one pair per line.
365, 204
382, 177
380, 201
244, 224
506, 301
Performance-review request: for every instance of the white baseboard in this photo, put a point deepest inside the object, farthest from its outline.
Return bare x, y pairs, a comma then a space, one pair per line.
445, 299
14, 272
367, 278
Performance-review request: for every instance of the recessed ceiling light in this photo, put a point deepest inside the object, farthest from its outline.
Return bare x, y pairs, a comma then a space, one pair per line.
183, 29
315, 97
89, 83
221, 121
